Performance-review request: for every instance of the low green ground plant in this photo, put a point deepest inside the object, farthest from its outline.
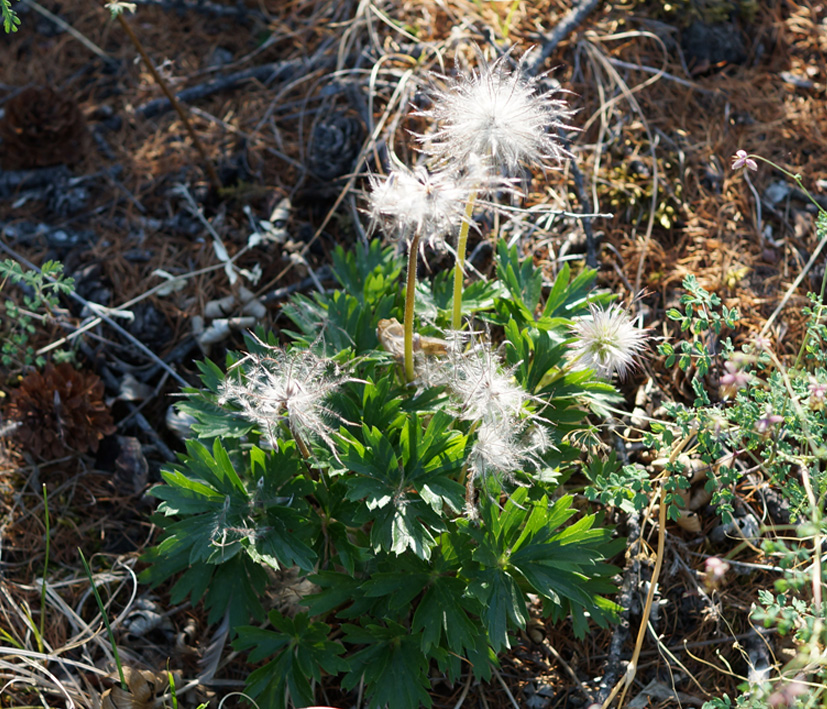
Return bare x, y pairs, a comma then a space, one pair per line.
753, 414
40, 299
403, 451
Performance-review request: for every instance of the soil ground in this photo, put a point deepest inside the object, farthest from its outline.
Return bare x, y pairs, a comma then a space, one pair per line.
666, 94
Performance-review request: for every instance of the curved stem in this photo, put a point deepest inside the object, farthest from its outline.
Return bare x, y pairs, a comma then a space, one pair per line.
410, 300
795, 177
459, 270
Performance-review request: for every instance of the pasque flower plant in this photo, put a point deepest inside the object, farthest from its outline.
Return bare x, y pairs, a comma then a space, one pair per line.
423, 504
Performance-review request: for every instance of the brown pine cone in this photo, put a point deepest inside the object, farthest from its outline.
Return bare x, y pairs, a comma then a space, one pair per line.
60, 409
41, 128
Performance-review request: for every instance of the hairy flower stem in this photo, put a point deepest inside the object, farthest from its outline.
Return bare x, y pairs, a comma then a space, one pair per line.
300, 444
459, 270
410, 300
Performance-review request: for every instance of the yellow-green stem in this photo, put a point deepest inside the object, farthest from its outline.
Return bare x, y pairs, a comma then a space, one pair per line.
459, 269
300, 444
410, 300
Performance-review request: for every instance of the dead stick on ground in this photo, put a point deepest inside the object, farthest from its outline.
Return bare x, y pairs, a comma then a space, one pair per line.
631, 669
66, 27
585, 205
563, 29
213, 175
624, 599
265, 73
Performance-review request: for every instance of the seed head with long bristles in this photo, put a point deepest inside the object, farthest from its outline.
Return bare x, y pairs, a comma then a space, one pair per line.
608, 341
286, 387
406, 202
496, 116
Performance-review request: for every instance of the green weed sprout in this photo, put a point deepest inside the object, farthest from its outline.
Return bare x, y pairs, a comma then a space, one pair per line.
105, 619
40, 301
11, 21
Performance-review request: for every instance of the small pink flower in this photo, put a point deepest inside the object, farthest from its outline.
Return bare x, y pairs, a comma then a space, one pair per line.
715, 569
762, 343
733, 380
767, 421
742, 159
818, 393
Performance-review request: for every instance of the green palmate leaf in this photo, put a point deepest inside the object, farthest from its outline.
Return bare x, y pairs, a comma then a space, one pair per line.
367, 272
398, 587
521, 543
340, 321
434, 301
448, 616
392, 665
223, 524
301, 652
214, 420
375, 400
381, 484
534, 353
569, 297
407, 482
233, 587
402, 527
212, 376
432, 457
522, 281
337, 590
347, 318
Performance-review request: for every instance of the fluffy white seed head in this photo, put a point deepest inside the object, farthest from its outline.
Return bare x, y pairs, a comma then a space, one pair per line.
481, 386
498, 117
506, 445
285, 387
608, 341
408, 201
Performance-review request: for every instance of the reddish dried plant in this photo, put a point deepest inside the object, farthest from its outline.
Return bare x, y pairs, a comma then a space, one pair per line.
60, 410
41, 128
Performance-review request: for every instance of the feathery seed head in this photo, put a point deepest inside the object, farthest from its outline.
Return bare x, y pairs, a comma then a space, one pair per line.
503, 446
409, 201
496, 116
608, 341
480, 385
285, 387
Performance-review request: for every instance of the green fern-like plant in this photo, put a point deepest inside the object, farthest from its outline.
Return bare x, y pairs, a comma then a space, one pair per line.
10, 19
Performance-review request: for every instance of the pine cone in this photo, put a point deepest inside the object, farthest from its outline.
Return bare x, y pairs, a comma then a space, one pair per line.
41, 128
60, 409
336, 141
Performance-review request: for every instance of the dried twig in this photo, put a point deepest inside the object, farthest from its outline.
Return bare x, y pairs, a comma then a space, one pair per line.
12, 181
238, 11
66, 27
585, 219
179, 109
266, 73
629, 585
564, 28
